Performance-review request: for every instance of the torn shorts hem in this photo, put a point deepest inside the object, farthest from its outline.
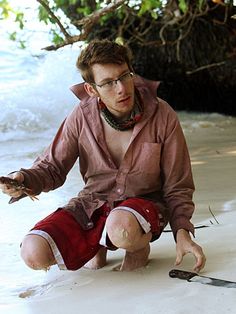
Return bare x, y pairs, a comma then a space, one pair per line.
57, 255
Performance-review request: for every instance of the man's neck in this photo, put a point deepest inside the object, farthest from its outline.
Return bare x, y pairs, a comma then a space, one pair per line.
124, 123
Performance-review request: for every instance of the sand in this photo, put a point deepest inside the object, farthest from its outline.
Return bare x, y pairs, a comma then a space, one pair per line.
150, 289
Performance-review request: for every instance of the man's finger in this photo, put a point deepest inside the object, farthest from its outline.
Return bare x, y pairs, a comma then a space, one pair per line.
179, 258
200, 260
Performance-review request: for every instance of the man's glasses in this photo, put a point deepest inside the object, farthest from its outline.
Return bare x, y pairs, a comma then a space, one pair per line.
110, 85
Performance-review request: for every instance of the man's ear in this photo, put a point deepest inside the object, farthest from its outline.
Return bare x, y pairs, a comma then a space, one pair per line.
90, 90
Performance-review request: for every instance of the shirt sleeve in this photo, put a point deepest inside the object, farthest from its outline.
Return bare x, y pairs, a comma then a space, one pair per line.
49, 170
178, 185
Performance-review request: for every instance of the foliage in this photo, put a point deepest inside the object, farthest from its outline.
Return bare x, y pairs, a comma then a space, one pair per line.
6, 11
131, 21
183, 6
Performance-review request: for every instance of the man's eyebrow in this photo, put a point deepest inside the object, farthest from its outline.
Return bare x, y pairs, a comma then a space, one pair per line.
105, 80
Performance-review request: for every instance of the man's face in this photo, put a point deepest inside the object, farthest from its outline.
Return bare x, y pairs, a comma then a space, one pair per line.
119, 99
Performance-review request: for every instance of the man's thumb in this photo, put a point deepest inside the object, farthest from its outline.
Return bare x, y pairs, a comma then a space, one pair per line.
18, 176
179, 259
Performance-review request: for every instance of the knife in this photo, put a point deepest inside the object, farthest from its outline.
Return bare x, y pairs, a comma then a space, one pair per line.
194, 277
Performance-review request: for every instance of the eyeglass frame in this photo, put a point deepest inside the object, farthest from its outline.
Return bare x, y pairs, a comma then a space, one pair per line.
131, 74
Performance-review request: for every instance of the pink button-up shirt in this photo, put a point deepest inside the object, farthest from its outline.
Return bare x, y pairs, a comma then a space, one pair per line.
155, 166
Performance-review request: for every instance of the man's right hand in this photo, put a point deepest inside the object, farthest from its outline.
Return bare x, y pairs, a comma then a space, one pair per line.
10, 189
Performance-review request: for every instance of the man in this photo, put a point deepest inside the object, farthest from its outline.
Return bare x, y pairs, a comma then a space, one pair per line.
135, 165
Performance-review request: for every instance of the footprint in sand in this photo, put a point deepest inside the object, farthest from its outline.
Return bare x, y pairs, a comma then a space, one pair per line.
64, 283
36, 290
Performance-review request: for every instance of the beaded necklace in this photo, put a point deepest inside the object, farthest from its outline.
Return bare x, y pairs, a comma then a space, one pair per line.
135, 116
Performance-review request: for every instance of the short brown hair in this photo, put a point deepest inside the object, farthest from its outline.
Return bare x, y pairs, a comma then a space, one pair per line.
102, 52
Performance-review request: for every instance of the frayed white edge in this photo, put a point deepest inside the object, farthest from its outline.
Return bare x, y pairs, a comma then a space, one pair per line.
58, 257
103, 238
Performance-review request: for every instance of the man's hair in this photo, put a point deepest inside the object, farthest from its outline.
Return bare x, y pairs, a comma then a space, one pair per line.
102, 52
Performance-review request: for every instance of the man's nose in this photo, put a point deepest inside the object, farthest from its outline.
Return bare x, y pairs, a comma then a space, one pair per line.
120, 86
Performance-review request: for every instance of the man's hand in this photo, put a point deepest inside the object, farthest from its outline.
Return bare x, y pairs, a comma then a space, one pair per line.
10, 189
184, 245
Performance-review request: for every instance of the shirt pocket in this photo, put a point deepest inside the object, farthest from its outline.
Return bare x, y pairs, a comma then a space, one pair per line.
148, 160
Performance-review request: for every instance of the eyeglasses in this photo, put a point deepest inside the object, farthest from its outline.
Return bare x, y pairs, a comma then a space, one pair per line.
108, 86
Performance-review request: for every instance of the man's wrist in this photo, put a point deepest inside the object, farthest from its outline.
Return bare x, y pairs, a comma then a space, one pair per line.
182, 233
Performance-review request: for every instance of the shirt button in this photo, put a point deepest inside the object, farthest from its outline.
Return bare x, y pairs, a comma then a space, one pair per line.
118, 190
90, 225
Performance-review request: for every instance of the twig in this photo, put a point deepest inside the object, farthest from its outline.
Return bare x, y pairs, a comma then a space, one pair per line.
213, 215
207, 66
195, 227
68, 41
94, 17
55, 18
86, 23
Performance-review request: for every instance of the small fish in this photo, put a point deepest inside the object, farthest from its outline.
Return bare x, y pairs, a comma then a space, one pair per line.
11, 183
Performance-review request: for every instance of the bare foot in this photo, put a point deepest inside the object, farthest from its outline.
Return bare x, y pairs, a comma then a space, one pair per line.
98, 261
134, 260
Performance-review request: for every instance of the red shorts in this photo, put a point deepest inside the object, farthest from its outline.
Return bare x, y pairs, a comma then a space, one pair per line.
73, 246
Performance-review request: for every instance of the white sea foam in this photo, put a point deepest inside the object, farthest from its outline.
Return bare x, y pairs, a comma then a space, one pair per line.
42, 99
229, 205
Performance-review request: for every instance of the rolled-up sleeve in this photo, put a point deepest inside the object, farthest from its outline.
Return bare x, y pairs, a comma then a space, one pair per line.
178, 185
49, 170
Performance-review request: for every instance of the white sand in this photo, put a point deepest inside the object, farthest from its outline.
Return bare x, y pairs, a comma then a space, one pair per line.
148, 290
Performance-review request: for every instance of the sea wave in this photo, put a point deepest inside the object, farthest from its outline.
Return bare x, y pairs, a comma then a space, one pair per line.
38, 97
35, 95
193, 121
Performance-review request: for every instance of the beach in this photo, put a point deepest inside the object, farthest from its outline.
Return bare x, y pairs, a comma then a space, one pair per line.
147, 290
27, 126
211, 140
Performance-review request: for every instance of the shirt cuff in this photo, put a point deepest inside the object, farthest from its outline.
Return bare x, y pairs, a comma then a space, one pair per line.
182, 223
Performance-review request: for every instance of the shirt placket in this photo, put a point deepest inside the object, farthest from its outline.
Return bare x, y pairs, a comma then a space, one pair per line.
119, 190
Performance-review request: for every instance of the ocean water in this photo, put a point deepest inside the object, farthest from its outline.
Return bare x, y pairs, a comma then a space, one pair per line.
35, 98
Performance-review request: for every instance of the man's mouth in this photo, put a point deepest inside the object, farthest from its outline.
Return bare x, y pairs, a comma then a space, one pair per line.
124, 99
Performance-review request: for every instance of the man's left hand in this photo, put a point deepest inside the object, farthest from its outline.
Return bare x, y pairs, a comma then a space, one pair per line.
185, 245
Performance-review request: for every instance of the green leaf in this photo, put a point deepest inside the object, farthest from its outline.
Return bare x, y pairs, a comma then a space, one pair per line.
154, 15
5, 9
43, 15
183, 6
85, 11
150, 6
12, 36
56, 38
119, 40
72, 2
200, 4
22, 44
20, 19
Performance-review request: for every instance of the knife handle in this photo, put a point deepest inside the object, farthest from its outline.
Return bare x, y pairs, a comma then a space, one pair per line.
181, 274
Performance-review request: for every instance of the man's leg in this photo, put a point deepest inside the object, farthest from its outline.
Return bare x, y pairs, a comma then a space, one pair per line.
125, 232
99, 260
60, 239
36, 252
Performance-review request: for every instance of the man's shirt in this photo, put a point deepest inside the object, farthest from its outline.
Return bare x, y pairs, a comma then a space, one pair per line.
156, 165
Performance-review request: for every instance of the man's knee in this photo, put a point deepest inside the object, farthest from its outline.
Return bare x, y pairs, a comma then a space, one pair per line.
36, 252
123, 229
